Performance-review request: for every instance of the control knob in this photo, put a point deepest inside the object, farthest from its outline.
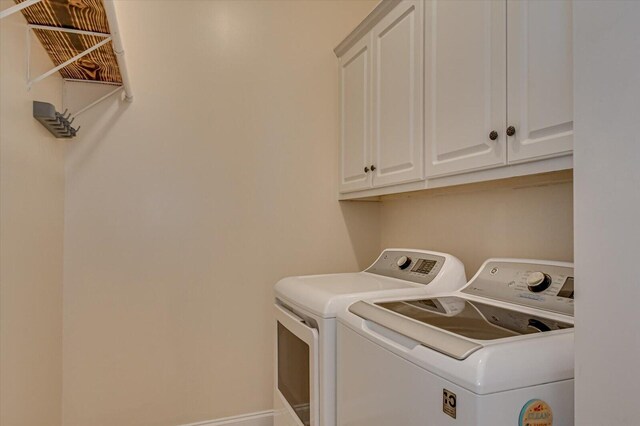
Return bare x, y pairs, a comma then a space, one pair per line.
403, 262
538, 281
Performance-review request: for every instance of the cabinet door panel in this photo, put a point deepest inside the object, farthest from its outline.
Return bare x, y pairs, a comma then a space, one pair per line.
465, 85
540, 70
397, 95
355, 110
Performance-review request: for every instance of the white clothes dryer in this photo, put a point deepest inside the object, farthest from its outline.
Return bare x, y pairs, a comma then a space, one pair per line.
305, 325
499, 352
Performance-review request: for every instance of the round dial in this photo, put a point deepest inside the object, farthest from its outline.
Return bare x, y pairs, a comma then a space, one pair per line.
538, 281
403, 262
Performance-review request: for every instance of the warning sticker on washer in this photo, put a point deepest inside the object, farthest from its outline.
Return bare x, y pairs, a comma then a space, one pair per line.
536, 413
449, 403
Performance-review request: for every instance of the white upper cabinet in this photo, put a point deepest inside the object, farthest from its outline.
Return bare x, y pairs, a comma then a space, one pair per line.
436, 93
465, 89
397, 141
381, 76
540, 86
355, 112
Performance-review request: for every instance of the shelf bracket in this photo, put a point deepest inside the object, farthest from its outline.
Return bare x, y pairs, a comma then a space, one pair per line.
17, 8
31, 82
97, 101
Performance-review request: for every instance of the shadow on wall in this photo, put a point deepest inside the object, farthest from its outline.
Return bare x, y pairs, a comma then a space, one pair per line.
362, 220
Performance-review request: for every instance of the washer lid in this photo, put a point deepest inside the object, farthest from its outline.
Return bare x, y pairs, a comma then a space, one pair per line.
454, 325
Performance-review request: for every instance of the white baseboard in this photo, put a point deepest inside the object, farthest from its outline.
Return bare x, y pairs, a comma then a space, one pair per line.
261, 418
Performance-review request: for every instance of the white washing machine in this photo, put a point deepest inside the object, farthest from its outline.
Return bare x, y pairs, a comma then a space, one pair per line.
498, 352
305, 324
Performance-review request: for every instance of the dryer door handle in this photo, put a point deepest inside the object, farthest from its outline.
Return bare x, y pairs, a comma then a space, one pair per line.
287, 315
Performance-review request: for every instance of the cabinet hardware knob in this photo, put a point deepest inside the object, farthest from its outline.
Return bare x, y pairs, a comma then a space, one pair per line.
511, 131
373, 167
493, 135
366, 169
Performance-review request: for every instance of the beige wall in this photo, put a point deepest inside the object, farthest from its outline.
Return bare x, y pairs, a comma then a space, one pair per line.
516, 218
31, 237
184, 207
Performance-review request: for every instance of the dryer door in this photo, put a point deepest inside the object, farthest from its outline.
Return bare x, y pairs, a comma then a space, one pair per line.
297, 379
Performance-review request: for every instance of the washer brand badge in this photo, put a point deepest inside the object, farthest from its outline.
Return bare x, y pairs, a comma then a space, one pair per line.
449, 403
536, 413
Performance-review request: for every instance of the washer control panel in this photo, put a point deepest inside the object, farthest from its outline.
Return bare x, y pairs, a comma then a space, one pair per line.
417, 267
538, 285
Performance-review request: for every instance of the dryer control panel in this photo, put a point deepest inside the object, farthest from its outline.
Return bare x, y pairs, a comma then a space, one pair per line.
538, 285
415, 266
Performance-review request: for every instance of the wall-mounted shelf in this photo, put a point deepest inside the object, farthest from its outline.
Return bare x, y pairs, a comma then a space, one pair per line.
82, 39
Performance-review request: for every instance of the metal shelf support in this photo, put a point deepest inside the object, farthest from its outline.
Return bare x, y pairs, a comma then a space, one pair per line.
118, 48
67, 30
97, 101
17, 8
31, 82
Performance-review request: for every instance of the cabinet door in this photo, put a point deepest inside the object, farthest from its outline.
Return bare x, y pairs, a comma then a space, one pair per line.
540, 70
397, 95
355, 113
465, 85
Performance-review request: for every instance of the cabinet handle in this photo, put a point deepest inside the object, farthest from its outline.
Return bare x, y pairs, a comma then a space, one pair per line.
366, 169
373, 168
511, 131
493, 135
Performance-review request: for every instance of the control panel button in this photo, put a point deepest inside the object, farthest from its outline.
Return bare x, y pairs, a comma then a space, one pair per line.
538, 281
403, 262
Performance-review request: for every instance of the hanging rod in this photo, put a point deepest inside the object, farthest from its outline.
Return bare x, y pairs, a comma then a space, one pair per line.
118, 48
17, 8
